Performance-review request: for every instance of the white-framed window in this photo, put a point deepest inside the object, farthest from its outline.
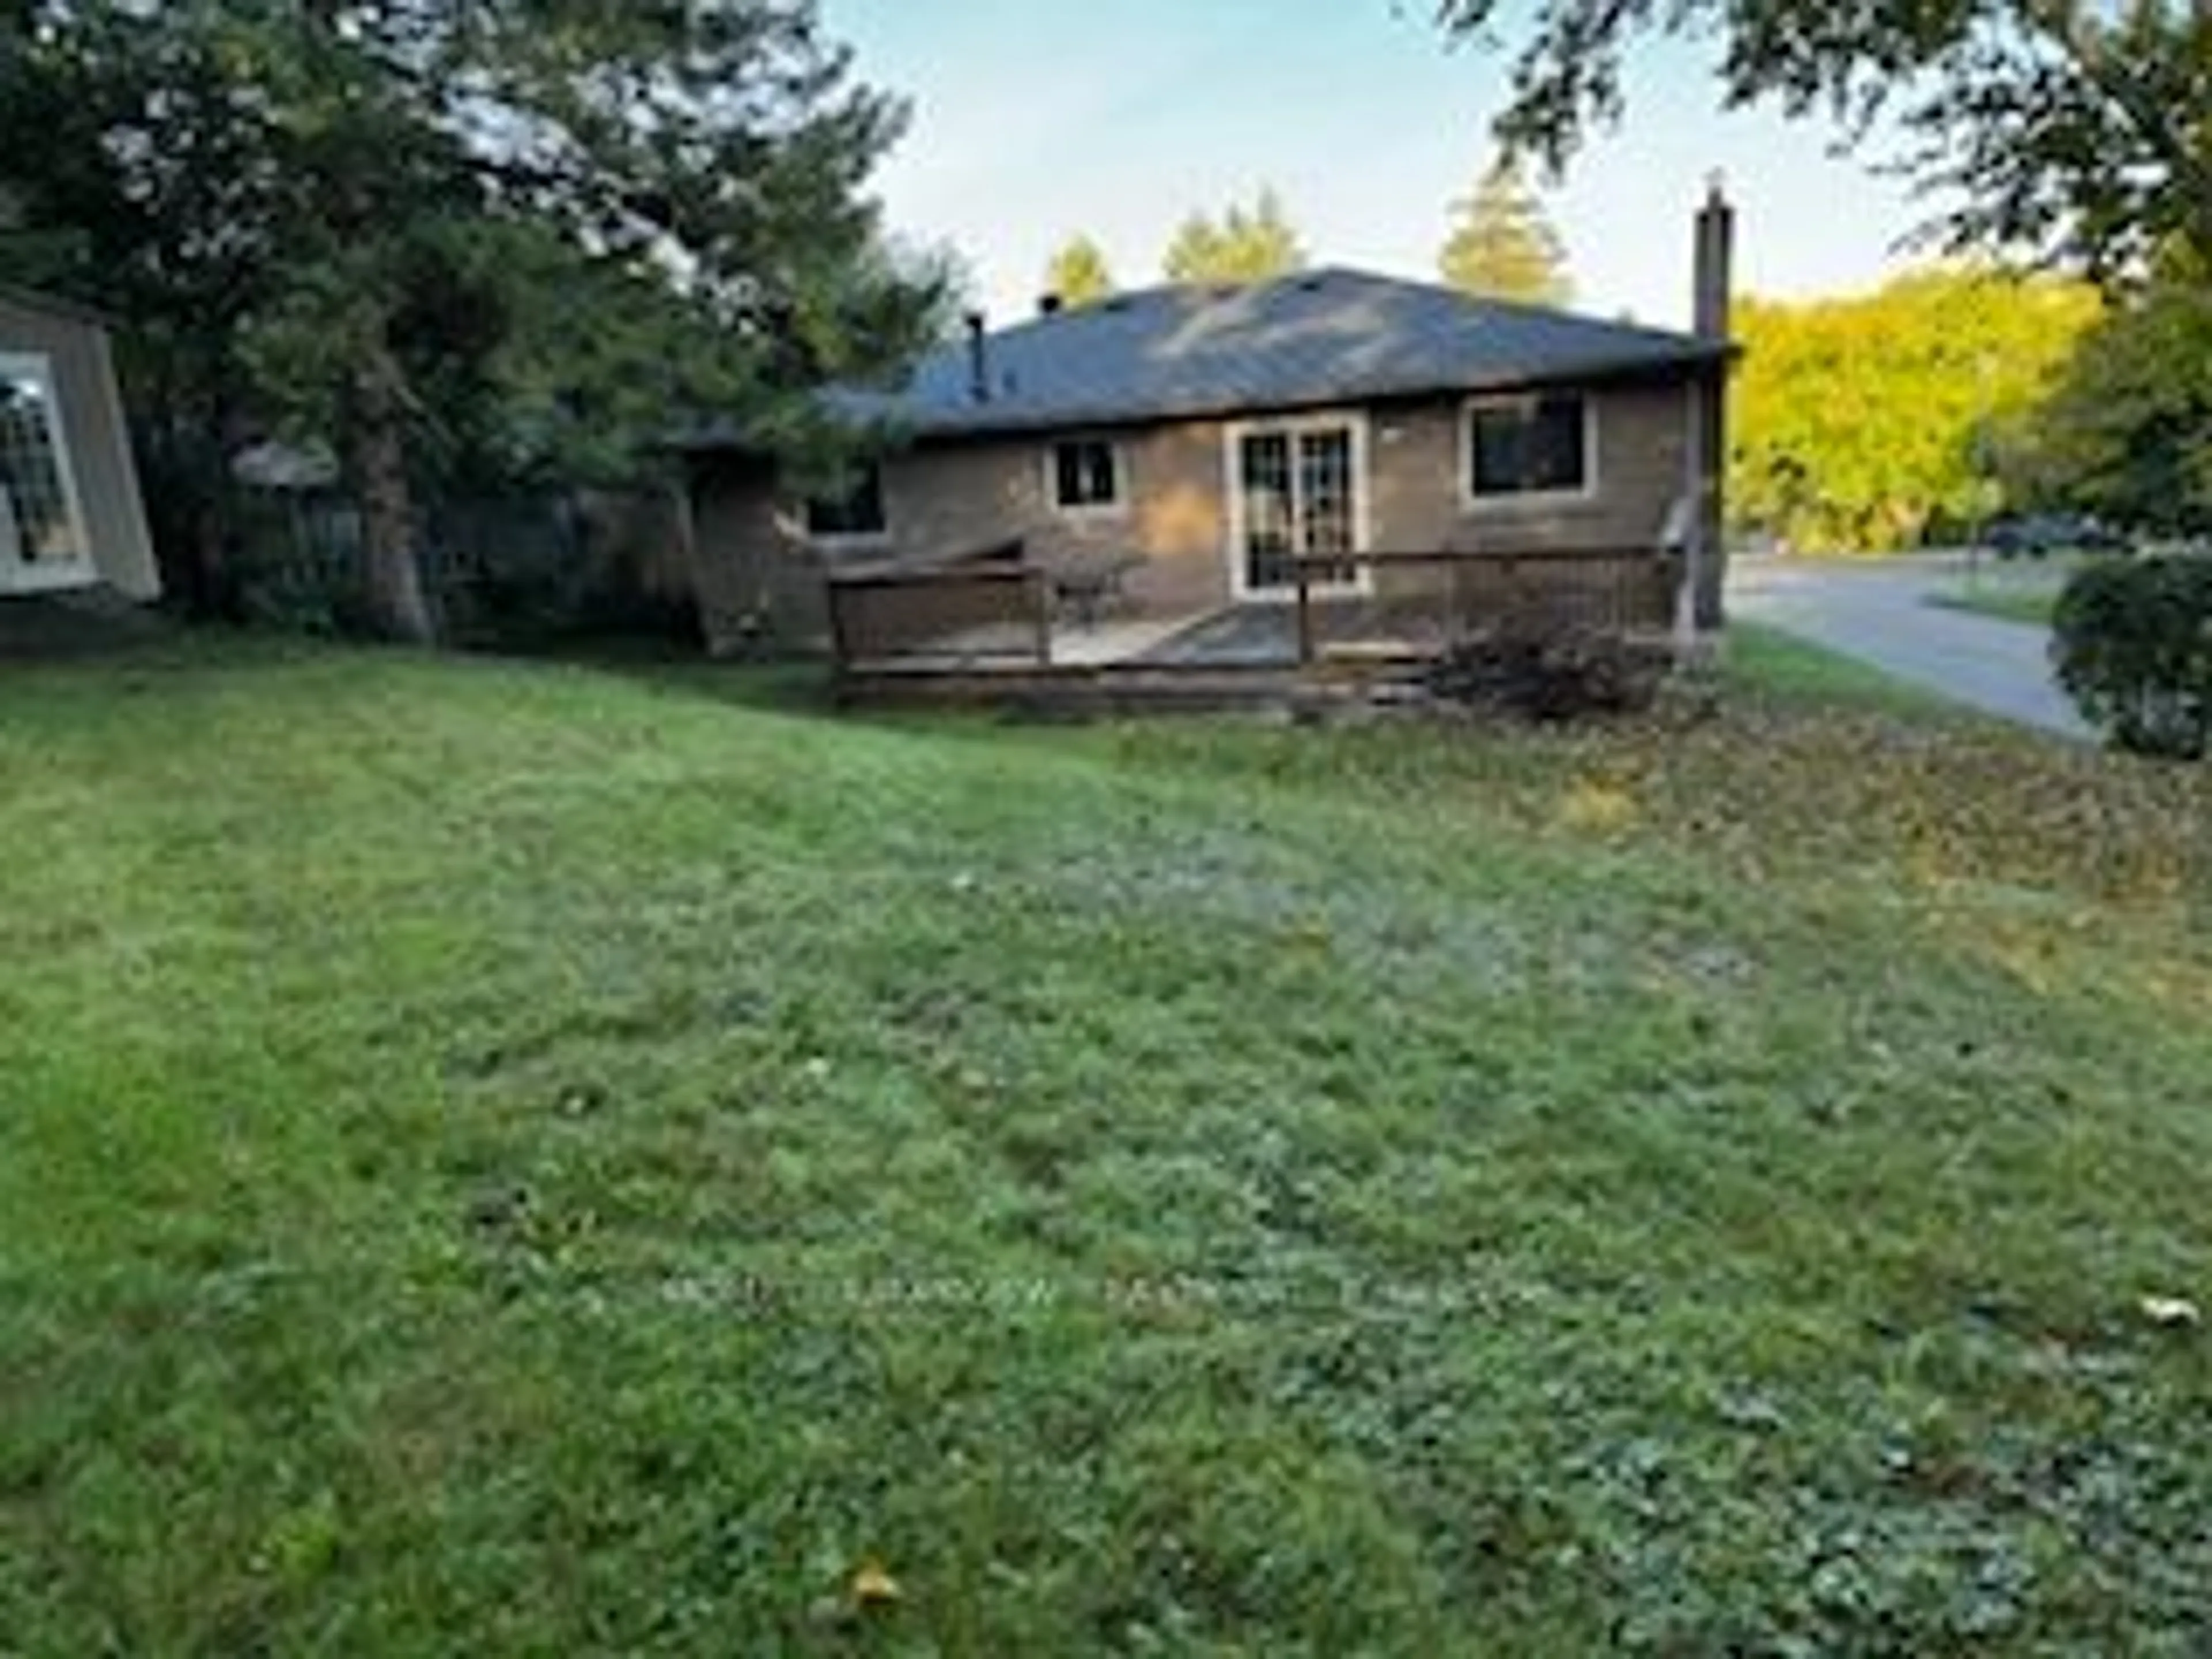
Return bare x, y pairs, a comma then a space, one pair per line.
1086, 476
42, 539
1537, 446
857, 515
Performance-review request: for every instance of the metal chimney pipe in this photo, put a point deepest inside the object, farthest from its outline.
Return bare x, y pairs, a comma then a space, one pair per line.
979, 357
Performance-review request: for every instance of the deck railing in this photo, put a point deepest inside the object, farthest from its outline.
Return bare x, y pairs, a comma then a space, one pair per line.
1423, 602
999, 607
994, 603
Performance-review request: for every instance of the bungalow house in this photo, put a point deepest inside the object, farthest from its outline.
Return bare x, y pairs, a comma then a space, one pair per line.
1163, 460
70, 514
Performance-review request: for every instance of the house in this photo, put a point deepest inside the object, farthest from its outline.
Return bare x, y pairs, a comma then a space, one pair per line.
70, 515
1173, 463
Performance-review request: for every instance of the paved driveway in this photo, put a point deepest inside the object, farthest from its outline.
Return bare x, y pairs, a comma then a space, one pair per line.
1878, 611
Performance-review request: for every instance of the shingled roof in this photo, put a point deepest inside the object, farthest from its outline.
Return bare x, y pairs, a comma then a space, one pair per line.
1317, 337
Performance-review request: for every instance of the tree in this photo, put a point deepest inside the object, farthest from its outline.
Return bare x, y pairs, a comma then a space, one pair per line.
2071, 128
1863, 423
1078, 273
384, 223
1242, 246
2128, 433
1502, 246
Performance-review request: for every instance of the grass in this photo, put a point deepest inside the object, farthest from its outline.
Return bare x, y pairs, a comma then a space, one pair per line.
523, 1159
1763, 665
2019, 591
2032, 605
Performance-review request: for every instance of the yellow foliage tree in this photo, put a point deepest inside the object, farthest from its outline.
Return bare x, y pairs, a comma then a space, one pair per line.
1868, 423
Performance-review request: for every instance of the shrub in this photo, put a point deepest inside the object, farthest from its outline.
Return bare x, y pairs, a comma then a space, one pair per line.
1549, 671
2132, 640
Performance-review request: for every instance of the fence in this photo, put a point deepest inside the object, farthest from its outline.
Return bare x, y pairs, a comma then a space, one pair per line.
494, 568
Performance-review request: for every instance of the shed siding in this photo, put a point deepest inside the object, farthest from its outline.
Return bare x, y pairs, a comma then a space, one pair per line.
98, 441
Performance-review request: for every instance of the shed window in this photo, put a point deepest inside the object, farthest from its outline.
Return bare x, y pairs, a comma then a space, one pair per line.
41, 525
1535, 445
1086, 476
858, 513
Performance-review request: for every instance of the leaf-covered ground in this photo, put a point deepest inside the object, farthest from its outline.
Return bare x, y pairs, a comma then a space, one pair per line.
518, 1159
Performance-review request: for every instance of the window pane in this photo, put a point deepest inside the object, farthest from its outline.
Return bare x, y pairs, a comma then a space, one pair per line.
1556, 458
1085, 474
1541, 446
1325, 478
31, 463
1498, 464
1268, 512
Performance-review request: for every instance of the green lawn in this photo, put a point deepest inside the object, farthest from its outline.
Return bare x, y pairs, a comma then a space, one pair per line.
522, 1159
2032, 605
1763, 665
2019, 591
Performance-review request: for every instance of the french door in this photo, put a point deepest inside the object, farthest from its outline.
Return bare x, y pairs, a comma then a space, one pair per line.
1299, 492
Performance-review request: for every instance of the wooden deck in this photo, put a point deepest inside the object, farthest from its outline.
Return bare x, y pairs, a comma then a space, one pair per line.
984, 632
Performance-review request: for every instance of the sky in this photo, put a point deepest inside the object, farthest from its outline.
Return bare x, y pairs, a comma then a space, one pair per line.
1036, 120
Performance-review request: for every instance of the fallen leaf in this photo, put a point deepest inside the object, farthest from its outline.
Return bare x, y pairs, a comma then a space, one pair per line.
2171, 1312
872, 1587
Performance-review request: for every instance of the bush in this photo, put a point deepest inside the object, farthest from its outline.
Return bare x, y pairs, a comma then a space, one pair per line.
1549, 671
2133, 645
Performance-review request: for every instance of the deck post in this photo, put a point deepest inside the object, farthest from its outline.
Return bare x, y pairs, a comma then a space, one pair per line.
1042, 590
1305, 615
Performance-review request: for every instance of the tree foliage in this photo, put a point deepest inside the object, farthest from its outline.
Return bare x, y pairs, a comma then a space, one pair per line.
1502, 244
1863, 422
2073, 127
492, 233
1245, 245
1078, 273
2128, 433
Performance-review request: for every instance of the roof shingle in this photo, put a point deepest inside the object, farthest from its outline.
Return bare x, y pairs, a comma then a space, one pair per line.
1316, 337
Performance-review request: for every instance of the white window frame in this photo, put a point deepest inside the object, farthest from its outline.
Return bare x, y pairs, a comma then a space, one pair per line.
1094, 511
854, 541
20, 575
1473, 500
1363, 501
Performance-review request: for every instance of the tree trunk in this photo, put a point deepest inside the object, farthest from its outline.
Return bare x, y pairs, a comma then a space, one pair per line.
377, 440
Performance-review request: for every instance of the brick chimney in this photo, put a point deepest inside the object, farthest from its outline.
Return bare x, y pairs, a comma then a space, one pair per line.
1711, 302
1715, 262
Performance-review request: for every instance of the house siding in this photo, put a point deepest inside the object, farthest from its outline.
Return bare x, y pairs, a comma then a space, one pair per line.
1419, 473
97, 438
945, 500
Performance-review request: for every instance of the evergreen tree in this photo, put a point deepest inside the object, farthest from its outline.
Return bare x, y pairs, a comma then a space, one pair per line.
425, 231
1502, 246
